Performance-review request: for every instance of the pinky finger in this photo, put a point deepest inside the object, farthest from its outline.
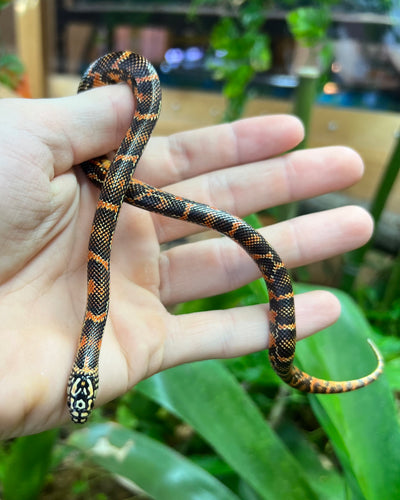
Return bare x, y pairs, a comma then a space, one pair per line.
242, 330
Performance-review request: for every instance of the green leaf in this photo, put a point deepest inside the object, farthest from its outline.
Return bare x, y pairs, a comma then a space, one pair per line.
252, 14
209, 398
238, 80
246, 51
309, 25
11, 70
160, 471
27, 465
260, 55
224, 33
362, 425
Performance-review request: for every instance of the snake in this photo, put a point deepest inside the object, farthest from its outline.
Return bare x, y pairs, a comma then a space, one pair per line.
118, 185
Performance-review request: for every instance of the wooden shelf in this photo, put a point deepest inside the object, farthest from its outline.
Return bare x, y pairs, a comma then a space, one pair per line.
82, 6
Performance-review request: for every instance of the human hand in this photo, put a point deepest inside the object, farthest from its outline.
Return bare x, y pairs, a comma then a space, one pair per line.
46, 211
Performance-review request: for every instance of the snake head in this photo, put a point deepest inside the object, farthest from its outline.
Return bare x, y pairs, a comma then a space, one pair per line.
82, 389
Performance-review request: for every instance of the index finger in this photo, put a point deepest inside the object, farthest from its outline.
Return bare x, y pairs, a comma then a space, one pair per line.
188, 154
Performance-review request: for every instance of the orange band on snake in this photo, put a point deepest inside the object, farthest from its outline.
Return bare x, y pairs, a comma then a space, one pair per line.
117, 185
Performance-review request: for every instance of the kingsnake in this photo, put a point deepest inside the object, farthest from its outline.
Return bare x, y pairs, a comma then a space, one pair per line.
117, 185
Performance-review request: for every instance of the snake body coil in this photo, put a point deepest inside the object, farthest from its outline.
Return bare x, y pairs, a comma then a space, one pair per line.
118, 185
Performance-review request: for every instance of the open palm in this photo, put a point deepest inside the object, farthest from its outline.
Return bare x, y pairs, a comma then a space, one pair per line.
46, 211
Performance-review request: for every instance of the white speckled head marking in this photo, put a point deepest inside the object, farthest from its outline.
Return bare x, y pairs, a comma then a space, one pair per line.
82, 391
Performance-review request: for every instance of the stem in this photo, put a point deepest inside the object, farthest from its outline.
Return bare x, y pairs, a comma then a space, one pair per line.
356, 258
392, 290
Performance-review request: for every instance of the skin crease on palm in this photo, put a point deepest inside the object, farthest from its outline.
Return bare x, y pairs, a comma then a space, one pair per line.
46, 211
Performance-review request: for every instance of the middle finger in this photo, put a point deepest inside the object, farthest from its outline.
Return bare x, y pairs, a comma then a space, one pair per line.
250, 188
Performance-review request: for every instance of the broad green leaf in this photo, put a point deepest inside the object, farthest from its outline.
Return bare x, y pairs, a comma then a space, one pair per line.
160, 471
209, 398
27, 465
327, 480
362, 425
393, 373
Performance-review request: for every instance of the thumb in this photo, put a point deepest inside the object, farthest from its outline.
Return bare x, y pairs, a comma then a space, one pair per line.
89, 124
72, 129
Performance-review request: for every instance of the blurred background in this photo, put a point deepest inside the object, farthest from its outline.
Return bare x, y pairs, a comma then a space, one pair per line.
229, 429
187, 42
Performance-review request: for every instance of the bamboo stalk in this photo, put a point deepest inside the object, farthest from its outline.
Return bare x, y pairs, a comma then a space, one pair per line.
305, 97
